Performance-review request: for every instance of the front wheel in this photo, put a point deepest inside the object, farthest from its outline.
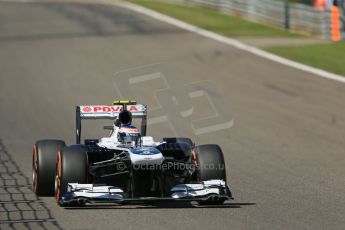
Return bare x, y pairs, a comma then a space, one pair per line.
71, 167
211, 166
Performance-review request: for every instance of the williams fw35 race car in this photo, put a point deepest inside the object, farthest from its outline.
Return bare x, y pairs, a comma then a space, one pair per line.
127, 166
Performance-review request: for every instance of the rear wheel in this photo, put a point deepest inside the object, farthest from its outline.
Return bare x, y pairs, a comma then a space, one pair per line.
44, 165
71, 167
211, 166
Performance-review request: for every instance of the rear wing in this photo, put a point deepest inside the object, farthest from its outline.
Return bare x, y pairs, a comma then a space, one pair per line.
84, 112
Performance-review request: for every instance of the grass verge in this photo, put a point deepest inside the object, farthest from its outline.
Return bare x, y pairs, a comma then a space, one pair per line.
329, 57
213, 20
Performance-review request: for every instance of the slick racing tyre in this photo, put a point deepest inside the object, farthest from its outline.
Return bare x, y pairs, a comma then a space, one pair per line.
44, 165
211, 166
71, 167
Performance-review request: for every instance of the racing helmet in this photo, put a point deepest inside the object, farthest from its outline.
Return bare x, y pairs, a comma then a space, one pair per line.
128, 135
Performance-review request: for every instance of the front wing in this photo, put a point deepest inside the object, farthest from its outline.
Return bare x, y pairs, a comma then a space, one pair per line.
89, 193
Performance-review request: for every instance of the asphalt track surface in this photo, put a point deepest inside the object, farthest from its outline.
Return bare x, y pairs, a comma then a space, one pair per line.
282, 130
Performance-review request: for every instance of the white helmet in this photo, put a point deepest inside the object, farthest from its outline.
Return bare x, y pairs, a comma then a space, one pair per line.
128, 135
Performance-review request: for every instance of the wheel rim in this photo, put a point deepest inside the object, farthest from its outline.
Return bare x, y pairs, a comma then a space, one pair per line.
57, 183
35, 169
196, 164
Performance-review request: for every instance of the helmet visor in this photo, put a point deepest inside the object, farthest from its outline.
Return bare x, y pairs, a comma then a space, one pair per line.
128, 137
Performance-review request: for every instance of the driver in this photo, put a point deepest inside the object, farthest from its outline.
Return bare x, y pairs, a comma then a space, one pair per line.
128, 135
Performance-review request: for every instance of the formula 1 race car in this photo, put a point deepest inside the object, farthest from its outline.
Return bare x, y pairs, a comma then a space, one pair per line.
127, 166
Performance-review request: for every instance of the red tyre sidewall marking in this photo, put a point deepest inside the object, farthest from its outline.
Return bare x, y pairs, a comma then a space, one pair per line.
195, 162
35, 168
59, 170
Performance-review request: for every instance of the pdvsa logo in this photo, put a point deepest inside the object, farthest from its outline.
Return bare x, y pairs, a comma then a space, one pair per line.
108, 109
87, 109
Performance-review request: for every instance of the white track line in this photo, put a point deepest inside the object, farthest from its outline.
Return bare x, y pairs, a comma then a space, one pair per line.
230, 41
